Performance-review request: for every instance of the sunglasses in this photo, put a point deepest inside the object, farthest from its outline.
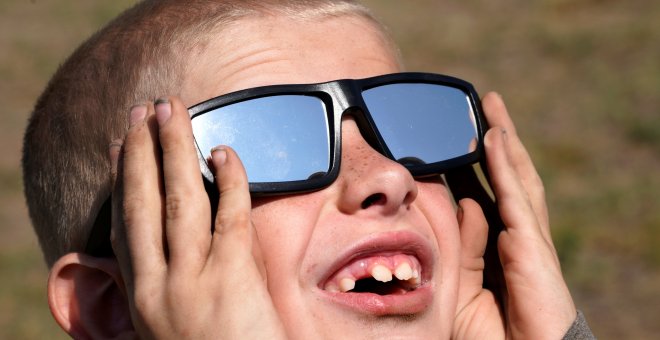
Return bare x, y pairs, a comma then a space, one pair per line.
289, 136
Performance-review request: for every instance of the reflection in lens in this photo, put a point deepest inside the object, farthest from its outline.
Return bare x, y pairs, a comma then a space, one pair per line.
473, 145
410, 161
424, 122
317, 175
278, 138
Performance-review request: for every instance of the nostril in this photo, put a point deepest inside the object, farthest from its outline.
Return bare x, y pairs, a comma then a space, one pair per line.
373, 199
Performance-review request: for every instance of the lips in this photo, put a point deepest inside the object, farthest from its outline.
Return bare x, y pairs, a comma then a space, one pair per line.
385, 274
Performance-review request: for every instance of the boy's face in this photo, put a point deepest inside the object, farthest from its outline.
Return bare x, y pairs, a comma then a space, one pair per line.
375, 215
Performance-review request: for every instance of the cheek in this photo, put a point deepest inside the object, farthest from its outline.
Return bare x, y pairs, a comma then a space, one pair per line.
274, 223
284, 226
434, 199
437, 206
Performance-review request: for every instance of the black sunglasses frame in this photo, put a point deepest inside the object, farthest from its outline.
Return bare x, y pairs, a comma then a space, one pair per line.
345, 97
339, 97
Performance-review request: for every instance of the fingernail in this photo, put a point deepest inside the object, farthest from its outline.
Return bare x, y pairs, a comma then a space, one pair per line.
117, 143
163, 110
161, 100
114, 149
137, 114
219, 155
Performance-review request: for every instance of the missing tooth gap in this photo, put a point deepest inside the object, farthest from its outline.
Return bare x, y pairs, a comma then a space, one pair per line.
371, 285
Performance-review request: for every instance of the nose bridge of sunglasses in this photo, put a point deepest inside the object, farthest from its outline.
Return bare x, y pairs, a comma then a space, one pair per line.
367, 129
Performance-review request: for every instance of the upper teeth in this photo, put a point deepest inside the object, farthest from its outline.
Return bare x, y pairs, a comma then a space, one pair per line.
403, 271
381, 273
405, 268
346, 284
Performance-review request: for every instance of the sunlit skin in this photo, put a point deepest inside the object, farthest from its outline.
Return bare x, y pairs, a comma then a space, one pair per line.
262, 274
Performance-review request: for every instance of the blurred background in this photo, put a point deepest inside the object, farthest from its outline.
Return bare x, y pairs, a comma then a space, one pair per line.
581, 79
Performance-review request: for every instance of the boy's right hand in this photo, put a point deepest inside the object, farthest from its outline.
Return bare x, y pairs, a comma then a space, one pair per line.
183, 281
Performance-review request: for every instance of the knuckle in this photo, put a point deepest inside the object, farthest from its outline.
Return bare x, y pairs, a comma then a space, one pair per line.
131, 209
233, 221
242, 220
183, 204
175, 206
536, 179
231, 185
535, 183
134, 138
145, 300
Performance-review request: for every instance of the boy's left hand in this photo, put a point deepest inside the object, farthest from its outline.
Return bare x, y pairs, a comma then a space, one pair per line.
534, 302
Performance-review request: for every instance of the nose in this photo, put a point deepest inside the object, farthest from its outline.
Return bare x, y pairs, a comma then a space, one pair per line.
369, 181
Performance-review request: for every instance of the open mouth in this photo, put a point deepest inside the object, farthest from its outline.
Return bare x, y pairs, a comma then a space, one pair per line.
385, 274
381, 274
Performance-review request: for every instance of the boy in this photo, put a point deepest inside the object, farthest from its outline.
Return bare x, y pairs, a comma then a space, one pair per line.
284, 264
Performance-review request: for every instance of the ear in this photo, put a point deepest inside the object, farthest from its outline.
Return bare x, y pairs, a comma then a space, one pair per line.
87, 297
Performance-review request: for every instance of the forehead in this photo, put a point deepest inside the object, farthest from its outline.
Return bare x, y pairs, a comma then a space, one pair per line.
279, 50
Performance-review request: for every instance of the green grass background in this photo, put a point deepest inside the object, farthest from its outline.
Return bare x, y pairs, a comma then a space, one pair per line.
581, 79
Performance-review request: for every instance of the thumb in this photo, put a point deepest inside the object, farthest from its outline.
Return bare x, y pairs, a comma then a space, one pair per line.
474, 233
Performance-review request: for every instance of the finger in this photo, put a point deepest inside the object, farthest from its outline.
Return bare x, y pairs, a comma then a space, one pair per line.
497, 114
498, 117
234, 263
512, 200
137, 204
474, 234
117, 231
187, 208
114, 151
233, 235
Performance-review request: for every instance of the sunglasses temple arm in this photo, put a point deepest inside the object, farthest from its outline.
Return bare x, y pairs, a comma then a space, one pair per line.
98, 243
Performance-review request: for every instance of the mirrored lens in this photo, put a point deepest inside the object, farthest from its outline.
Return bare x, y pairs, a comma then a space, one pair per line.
279, 138
423, 123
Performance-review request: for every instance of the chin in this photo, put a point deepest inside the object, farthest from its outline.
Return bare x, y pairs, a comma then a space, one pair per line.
324, 324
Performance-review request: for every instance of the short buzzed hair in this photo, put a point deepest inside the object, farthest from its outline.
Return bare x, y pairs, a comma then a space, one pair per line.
138, 56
